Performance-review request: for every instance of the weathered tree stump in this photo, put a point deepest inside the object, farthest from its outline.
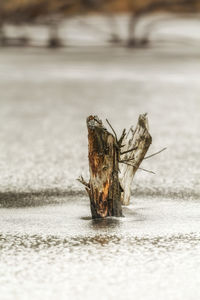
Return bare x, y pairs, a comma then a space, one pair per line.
104, 187
136, 144
110, 185
105, 191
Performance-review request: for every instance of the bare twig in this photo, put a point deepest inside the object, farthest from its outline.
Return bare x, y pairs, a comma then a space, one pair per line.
138, 168
147, 170
122, 138
126, 160
127, 151
155, 153
123, 145
82, 180
112, 129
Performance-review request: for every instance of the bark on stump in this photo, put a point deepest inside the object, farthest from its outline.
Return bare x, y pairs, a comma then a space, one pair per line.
104, 187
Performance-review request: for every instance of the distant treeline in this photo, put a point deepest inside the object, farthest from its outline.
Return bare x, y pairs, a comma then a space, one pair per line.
30, 10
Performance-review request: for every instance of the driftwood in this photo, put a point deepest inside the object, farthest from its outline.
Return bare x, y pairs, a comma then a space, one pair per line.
137, 143
110, 184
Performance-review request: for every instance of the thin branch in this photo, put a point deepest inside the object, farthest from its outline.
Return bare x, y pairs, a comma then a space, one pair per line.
82, 180
138, 168
112, 129
122, 138
147, 171
123, 162
121, 146
155, 153
127, 160
130, 150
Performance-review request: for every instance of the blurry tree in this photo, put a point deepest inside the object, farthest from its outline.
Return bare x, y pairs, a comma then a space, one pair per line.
52, 12
140, 9
49, 12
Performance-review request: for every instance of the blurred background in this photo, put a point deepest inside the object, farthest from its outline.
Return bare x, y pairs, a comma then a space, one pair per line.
60, 61
59, 23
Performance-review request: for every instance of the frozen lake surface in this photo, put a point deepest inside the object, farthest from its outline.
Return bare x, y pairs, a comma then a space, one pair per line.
49, 246
58, 252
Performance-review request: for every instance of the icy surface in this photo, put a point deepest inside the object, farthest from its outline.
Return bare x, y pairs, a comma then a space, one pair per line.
57, 251
46, 97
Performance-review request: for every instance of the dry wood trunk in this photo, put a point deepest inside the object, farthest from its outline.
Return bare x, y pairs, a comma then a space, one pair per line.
104, 188
109, 186
139, 140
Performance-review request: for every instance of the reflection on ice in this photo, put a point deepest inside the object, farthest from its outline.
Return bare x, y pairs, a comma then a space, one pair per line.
105, 223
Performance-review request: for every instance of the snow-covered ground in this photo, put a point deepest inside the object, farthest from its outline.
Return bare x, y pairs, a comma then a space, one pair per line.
57, 251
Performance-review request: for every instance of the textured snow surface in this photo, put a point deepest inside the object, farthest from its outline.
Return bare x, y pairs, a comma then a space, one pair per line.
57, 251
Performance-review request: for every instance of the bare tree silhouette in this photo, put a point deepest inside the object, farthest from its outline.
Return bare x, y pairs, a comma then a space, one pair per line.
173, 6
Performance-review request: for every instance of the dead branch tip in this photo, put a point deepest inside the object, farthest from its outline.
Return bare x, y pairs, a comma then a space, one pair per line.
82, 180
112, 129
155, 153
148, 171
